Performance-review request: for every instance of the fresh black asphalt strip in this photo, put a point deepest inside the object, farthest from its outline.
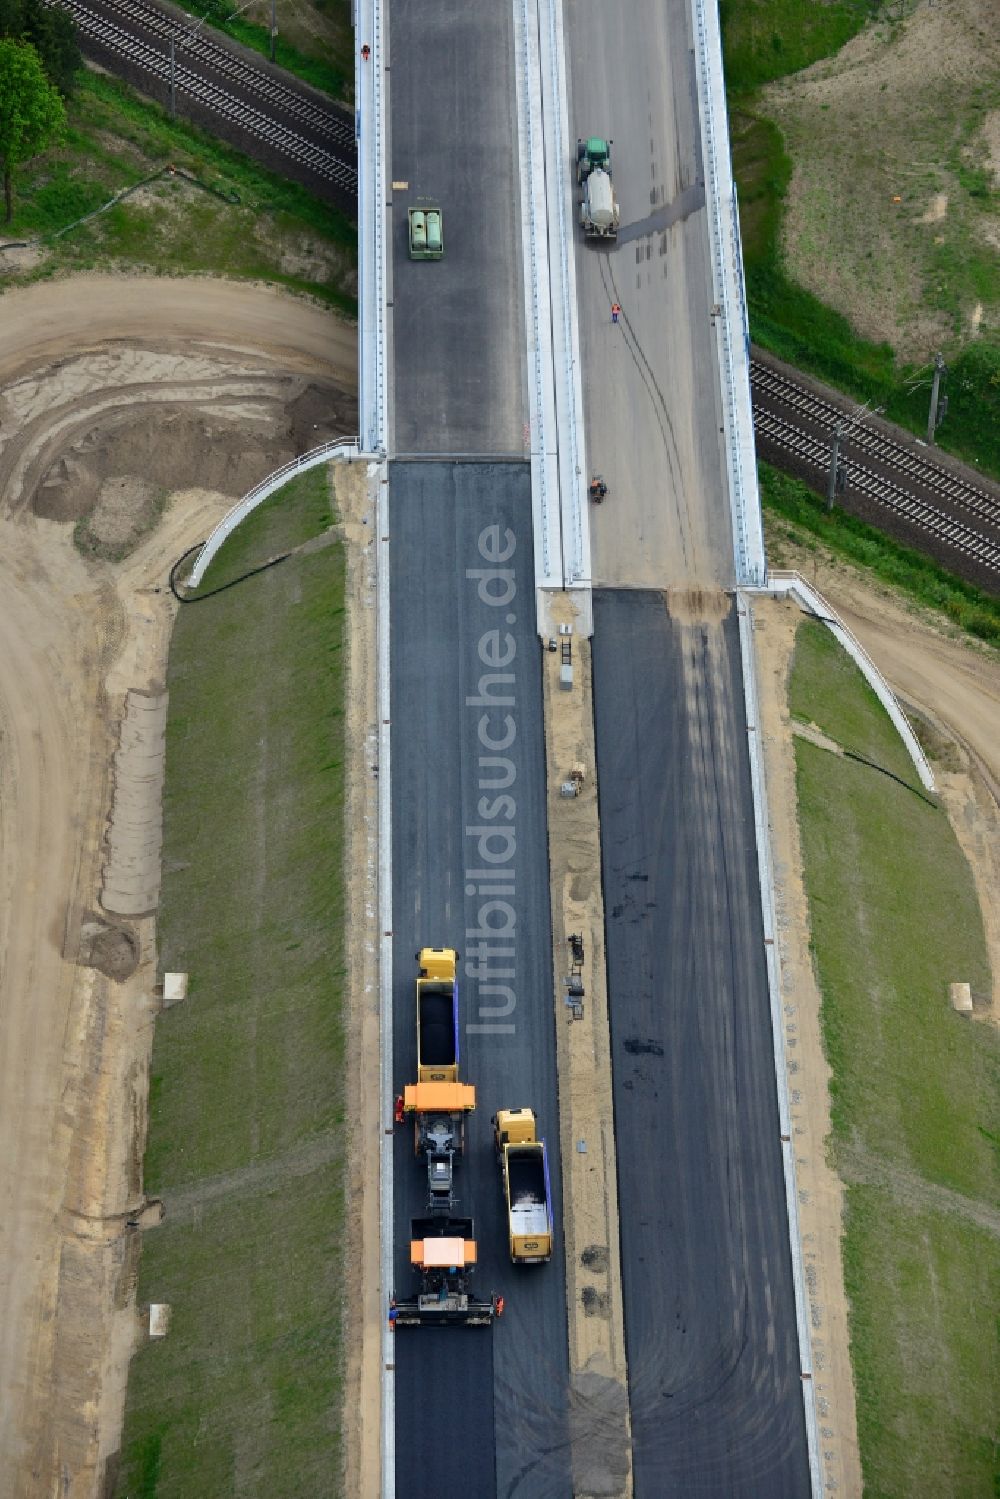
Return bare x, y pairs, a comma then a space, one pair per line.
714, 1380
478, 1412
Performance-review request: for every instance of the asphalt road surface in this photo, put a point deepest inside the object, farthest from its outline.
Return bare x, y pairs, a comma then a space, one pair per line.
457, 323
651, 401
478, 1412
714, 1379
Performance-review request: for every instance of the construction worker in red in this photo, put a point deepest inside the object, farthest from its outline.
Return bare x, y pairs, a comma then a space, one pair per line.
399, 1111
615, 312
366, 52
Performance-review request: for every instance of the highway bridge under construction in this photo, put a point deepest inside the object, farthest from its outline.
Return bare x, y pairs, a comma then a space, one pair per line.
495, 378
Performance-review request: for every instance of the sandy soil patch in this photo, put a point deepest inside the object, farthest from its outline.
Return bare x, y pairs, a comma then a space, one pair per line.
135, 828
125, 506
876, 189
936, 209
77, 988
100, 435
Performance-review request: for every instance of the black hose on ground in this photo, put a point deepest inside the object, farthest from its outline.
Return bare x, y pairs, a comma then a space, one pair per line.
197, 598
874, 765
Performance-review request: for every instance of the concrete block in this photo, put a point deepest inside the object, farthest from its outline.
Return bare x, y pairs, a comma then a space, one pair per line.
159, 1319
175, 988
961, 998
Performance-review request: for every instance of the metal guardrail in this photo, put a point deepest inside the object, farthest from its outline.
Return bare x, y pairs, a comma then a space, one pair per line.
345, 448
730, 300
810, 599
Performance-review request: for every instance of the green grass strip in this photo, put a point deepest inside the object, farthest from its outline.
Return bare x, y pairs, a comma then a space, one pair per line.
915, 1092
923, 1288
246, 1105
895, 920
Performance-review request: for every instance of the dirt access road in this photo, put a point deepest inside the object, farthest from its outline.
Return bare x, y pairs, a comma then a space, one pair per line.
132, 412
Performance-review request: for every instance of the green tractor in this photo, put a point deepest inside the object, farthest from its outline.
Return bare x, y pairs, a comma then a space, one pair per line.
591, 154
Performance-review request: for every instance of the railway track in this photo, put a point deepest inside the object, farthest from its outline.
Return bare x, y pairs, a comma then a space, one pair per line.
316, 139
892, 483
815, 452
895, 483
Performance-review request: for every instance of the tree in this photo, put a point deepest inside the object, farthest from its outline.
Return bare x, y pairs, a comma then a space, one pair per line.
31, 111
51, 32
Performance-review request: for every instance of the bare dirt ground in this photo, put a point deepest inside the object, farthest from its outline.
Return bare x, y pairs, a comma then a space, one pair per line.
886, 139
952, 688
109, 386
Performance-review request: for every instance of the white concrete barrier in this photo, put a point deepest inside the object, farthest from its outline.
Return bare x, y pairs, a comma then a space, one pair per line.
346, 449
782, 584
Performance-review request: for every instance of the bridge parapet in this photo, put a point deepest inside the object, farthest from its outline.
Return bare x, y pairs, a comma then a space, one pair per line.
730, 311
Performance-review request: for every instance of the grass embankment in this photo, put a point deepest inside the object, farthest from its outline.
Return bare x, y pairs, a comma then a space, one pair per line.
325, 60
246, 1097
915, 1091
274, 230
946, 273
792, 513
